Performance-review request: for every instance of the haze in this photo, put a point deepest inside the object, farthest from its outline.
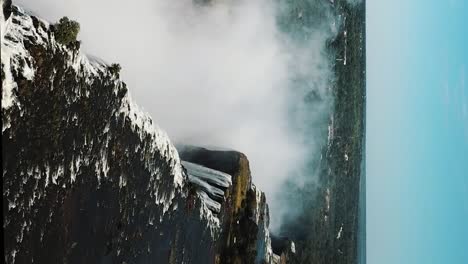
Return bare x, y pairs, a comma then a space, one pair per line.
213, 75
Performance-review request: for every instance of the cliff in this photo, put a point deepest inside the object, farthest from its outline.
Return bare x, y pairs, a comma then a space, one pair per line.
331, 228
244, 218
89, 178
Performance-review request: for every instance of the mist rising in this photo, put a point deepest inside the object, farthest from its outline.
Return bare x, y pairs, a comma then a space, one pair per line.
224, 74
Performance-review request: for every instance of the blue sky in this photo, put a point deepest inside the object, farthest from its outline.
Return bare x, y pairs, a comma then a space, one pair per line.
417, 132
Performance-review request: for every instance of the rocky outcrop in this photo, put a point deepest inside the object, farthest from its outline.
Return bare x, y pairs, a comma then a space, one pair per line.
244, 216
88, 178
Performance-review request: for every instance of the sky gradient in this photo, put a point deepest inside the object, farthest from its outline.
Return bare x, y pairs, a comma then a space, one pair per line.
417, 132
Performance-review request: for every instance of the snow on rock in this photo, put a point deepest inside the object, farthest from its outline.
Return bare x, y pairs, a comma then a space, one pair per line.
18, 29
14, 56
258, 199
327, 203
345, 33
211, 204
338, 236
206, 187
144, 125
158, 141
212, 185
208, 175
261, 218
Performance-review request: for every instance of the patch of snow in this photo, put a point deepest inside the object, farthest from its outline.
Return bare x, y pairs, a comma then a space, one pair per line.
345, 33
47, 173
207, 214
208, 175
11, 205
293, 247
122, 181
264, 249
258, 200
338, 236
206, 187
58, 172
212, 184
13, 255
327, 199
75, 168
209, 202
86, 65
14, 55
144, 125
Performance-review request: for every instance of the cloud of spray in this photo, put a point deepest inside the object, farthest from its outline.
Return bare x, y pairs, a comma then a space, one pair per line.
222, 74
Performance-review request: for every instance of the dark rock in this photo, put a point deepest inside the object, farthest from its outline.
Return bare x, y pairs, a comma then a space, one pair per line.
6, 9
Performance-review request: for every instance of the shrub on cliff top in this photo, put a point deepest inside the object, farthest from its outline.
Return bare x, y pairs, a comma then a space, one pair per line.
66, 31
114, 69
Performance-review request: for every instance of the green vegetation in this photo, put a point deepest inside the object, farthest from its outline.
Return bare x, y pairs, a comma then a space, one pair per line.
114, 69
66, 31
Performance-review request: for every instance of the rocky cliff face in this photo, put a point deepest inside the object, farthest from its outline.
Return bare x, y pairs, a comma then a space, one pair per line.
243, 216
331, 226
88, 178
